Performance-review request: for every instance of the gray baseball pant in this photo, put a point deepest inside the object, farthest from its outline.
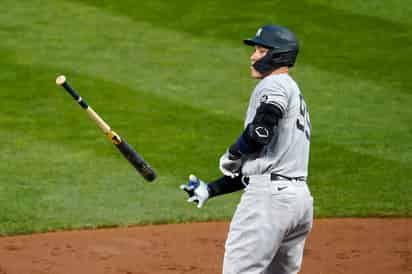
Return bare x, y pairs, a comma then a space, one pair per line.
268, 230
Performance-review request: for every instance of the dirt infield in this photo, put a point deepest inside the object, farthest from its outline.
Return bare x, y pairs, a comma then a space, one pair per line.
353, 246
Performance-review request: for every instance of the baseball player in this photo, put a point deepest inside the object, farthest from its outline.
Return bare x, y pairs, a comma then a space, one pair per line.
270, 161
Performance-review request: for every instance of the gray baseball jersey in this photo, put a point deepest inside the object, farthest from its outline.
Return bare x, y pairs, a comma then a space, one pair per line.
288, 152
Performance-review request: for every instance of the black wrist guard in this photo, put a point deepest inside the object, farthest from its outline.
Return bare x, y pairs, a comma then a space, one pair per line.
225, 185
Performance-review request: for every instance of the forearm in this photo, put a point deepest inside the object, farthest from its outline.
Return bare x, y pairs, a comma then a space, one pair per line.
225, 185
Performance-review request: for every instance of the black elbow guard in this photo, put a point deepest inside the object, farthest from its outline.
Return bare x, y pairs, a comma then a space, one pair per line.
260, 131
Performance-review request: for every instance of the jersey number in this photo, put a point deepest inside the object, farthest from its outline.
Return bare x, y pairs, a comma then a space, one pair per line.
303, 121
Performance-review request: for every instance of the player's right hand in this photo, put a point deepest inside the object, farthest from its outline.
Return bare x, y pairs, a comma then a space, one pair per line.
230, 165
197, 190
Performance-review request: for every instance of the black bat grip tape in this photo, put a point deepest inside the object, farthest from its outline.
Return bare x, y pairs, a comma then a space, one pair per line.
75, 96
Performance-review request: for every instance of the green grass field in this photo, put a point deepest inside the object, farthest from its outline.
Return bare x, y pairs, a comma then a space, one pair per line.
173, 79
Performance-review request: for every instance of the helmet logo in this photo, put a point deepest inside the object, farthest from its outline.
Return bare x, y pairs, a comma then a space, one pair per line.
259, 32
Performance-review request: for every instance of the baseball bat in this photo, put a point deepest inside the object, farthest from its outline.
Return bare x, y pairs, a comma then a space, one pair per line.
127, 150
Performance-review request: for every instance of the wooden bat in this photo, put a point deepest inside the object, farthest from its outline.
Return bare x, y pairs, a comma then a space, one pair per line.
127, 150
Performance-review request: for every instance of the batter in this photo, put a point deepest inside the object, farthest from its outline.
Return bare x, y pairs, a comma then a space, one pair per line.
270, 161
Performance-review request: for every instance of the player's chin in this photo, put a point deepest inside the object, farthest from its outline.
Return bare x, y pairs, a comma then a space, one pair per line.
255, 74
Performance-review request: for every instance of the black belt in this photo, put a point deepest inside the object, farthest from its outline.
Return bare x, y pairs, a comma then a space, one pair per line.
278, 177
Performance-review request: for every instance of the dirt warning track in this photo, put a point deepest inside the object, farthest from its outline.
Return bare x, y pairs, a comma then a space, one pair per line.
335, 246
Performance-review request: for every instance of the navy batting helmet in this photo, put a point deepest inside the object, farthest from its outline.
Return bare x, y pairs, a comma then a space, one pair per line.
282, 44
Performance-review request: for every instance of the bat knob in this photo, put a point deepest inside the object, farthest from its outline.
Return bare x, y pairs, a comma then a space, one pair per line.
60, 80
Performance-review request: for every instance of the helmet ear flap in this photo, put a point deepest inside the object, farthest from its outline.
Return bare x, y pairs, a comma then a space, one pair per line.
287, 58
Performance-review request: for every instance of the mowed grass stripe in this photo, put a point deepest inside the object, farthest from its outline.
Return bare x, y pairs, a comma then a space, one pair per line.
395, 10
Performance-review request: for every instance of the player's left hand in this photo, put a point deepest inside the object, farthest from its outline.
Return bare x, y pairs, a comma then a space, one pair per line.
197, 190
230, 165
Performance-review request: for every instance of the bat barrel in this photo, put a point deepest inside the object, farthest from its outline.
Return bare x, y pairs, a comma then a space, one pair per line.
137, 161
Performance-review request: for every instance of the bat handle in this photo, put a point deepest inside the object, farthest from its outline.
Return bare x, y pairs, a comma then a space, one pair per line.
61, 81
